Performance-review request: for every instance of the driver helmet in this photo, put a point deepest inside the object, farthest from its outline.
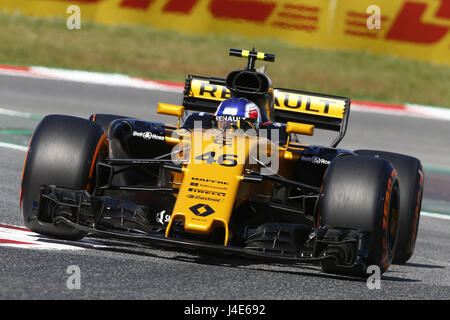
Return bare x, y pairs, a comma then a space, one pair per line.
238, 113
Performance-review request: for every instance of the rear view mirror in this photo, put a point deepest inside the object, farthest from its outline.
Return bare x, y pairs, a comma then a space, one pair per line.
171, 110
300, 128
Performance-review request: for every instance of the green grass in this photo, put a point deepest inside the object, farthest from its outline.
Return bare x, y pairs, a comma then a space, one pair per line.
167, 55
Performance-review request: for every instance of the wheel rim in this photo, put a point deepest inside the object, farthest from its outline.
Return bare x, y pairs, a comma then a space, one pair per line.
392, 223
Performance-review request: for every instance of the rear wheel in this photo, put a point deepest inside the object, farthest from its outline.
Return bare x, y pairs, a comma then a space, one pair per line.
410, 175
362, 193
62, 152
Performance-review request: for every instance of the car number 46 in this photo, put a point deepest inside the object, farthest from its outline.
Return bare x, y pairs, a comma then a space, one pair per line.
227, 160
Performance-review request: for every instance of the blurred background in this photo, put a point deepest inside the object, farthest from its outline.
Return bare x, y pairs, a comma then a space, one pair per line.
356, 48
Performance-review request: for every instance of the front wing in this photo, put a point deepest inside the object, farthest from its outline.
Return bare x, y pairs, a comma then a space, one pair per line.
124, 220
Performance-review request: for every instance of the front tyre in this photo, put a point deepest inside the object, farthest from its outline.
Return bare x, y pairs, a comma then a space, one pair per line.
62, 152
362, 194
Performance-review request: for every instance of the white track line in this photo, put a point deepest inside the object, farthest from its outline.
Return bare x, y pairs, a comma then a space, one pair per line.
13, 146
8, 111
435, 215
15, 113
88, 77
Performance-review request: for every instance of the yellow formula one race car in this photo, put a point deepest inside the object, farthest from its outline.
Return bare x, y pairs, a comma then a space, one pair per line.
230, 177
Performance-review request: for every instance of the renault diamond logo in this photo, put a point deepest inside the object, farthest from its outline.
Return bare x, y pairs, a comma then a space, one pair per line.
202, 210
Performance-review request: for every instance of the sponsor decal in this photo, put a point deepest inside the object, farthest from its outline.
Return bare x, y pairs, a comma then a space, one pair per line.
213, 187
228, 118
202, 89
191, 196
210, 181
202, 210
209, 192
316, 160
196, 184
148, 136
162, 217
303, 103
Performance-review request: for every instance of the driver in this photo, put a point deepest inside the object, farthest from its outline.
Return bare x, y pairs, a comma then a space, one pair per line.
238, 113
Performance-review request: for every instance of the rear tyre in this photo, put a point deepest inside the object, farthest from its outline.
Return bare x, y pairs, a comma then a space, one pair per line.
62, 152
410, 175
362, 193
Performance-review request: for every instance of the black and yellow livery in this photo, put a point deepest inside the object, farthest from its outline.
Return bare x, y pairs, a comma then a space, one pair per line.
256, 195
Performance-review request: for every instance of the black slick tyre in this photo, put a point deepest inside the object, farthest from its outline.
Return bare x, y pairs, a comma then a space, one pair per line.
62, 152
362, 193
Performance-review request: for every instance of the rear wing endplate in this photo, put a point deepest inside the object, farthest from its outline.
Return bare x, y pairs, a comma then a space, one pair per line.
204, 94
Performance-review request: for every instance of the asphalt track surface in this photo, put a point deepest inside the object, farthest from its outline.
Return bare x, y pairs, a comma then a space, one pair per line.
119, 271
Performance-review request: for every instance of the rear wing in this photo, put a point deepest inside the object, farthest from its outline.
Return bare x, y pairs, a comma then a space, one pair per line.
323, 111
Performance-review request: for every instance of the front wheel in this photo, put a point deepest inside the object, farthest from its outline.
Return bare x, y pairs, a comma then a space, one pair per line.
362, 194
62, 152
